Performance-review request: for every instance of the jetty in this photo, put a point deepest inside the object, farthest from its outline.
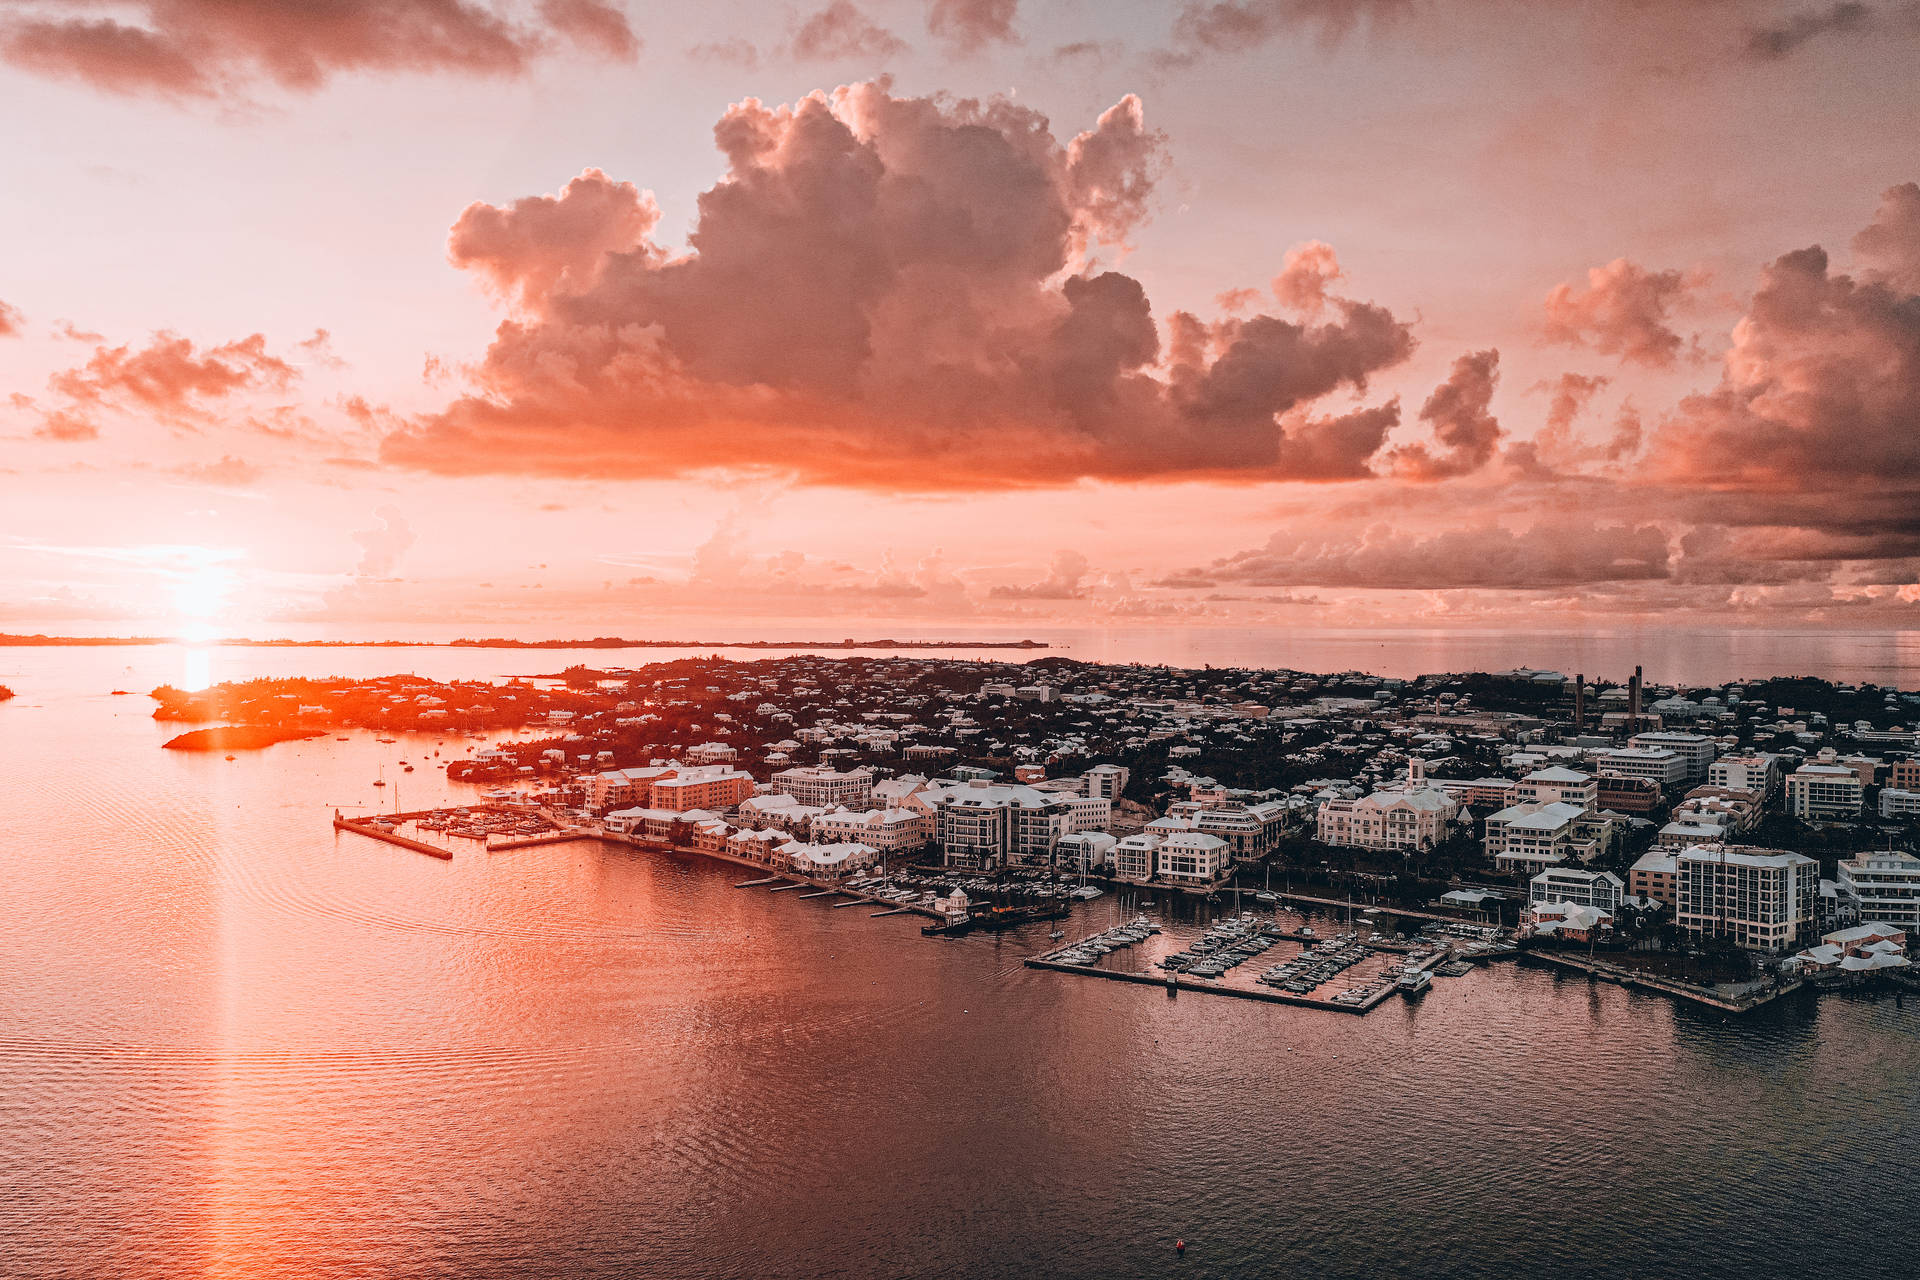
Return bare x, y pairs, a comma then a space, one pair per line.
1745, 1002
375, 832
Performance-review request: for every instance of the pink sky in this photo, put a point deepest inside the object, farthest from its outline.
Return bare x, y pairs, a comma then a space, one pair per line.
444, 317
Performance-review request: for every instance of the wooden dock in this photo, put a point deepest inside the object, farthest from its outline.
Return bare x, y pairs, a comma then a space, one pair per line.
373, 832
1661, 986
528, 842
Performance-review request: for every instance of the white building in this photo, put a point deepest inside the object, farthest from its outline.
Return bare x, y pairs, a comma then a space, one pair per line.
890, 831
1895, 803
1250, 830
1816, 791
1084, 851
1407, 818
1193, 857
828, 861
1696, 749
1756, 771
1657, 765
824, 787
1108, 780
1763, 899
1601, 889
1558, 785
1134, 858
1887, 885
980, 825
1525, 837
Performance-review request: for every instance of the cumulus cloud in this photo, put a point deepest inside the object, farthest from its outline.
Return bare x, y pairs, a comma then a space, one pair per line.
1777, 41
1306, 273
968, 26
170, 378
842, 31
1890, 244
1625, 310
539, 244
1460, 413
1551, 553
1820, 389
208, 48
881, 292
1065, 580
381, 547
11, 321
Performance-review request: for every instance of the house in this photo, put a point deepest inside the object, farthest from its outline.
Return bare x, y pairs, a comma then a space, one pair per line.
1600, 889
1568, 920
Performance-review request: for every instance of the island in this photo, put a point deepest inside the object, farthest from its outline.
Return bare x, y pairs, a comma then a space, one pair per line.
237, 737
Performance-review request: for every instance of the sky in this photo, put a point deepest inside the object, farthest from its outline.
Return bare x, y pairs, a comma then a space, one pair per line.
363, 318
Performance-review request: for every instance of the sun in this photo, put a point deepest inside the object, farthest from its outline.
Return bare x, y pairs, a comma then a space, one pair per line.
200, 602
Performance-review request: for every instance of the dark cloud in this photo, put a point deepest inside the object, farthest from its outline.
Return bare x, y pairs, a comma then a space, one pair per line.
1460, 413
1777, 41
210, 48
882, 292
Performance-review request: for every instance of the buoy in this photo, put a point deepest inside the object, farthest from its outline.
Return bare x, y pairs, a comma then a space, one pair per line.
1180, 1246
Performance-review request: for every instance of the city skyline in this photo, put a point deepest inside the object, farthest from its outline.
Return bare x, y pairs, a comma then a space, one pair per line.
561, 319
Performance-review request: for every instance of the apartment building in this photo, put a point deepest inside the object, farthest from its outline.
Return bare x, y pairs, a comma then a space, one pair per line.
1135, 858
1250, 830
1601, 889
1107, 780
1756, 771
1762, 899
1817, 791
982, 825
1558, 785
706, 786
1408, 818
1897, 804
825, 787
1526, 837
889, 831
1887, 886
1193, 858
1656, 876
1665, 769
1695, 749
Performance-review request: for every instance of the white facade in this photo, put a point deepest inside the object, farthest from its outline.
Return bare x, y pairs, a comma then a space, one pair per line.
891, 831
1824, 791
1887, 885
1558, 785
1108, 780
1600, 889
1407, 818
1758, 772
1658, 765
1763, 899
1695, 748
824, 787
1524, 837
980, 825
1134, 857
1193, 857
1895, 803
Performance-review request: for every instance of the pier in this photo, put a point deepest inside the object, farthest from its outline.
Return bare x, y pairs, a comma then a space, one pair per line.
780, 882
373, 832
1662, 986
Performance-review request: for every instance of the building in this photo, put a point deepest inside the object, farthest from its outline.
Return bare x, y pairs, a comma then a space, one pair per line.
826, 788
982, 825
1193, 858
828, 861
1601, 889
1696, 749
712, 753
1250, 830
1108, 780
704, 786
1887, 885
1817, 791
1558, 785
1527, 837
1757, 771
888, 831
1134, 858
1628, 795
1084, 851
1483, 793
1656, 876
1568, 920
1408, 818
1904, 774
1658, 765
1761, 899
1897, 804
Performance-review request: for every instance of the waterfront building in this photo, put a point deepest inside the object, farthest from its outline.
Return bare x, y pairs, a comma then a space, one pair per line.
1573, 921
1601, 889
828, 861
1656, 876
1817, 791
1084, 851
889, 831
780, 812
1193, 858
707, 786
1525, 837
1250, 830
1134, 858
1407, 818
981, 825
824, 787
1762, 899
1886, 884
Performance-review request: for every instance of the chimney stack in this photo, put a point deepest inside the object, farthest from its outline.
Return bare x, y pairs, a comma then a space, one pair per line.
1580, 701
1633, 699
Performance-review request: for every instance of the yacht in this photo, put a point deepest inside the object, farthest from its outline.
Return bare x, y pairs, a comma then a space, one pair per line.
1415, 982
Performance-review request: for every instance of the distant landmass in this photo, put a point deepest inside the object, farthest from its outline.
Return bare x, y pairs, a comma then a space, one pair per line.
238, 737
598, 642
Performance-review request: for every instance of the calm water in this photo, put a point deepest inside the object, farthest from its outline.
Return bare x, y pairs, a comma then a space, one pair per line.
234, 1044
